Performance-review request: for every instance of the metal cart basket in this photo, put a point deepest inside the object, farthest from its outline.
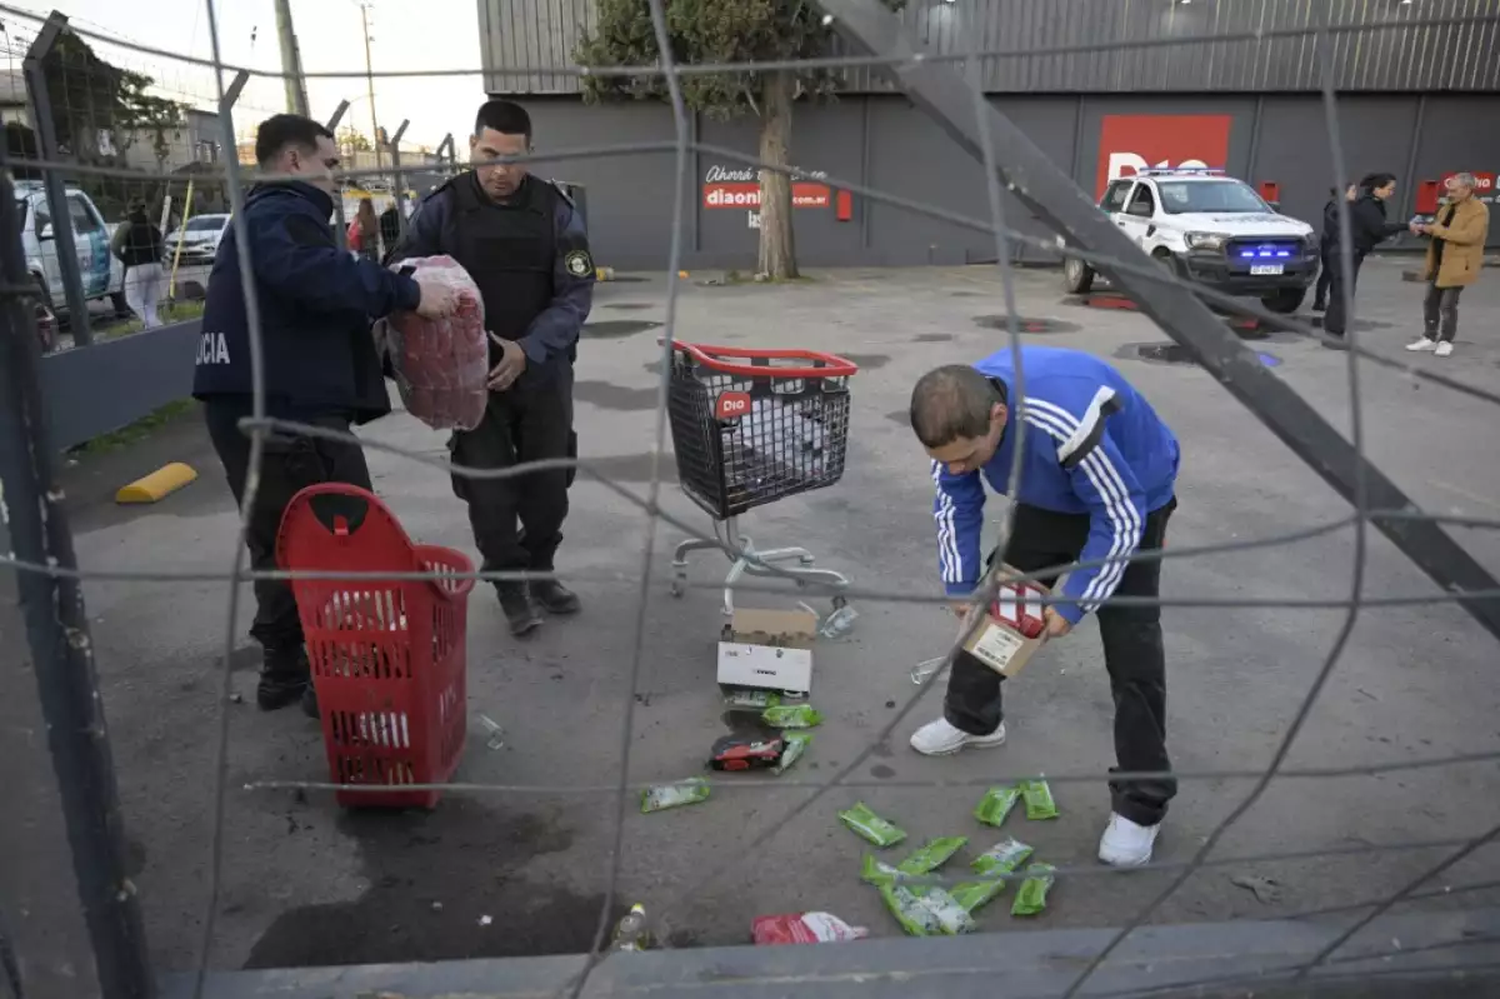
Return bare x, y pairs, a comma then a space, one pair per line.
750, 427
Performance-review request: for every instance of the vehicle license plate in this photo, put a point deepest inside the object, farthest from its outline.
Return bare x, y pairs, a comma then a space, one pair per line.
1267, 268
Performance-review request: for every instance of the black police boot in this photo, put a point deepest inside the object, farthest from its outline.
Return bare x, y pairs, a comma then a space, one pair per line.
284, 675
520, 612
553, 597
1319, 305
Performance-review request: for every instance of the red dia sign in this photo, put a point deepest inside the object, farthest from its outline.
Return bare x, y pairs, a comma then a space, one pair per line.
1130, 143
738, 194
732, 405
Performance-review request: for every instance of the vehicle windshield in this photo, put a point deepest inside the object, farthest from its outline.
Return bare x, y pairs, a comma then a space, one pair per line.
1209, 196
207, 223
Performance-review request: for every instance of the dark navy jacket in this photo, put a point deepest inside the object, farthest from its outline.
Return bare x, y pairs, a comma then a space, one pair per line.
316, 302
529, 256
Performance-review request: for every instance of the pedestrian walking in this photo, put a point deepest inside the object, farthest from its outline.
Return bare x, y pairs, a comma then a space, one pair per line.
523, 242
139, 246
363, 236
1368, 227
319, 364
1454, 257
1328, 245
1098, 484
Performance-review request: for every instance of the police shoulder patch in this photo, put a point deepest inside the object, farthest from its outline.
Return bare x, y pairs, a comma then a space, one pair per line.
579, 263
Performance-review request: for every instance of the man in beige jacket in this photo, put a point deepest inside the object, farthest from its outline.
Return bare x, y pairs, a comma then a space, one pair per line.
1454, 257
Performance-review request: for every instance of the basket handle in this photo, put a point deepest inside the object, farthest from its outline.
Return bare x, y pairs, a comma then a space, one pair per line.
704, 354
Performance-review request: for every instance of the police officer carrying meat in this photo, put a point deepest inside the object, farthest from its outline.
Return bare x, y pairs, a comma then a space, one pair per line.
523, 242
320, 364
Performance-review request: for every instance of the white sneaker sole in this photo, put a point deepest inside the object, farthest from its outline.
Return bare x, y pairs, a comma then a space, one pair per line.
1125, 864
966, 744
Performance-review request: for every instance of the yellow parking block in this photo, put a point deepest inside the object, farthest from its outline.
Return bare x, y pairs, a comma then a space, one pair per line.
604, 273
165, 480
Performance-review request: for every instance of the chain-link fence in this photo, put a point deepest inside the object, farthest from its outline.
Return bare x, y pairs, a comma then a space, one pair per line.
81, 149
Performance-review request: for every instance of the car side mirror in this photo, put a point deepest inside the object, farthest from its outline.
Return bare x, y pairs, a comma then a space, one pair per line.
1275, 205
46, 232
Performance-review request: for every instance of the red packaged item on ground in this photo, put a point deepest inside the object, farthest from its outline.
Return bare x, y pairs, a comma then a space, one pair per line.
804, 928
442, 365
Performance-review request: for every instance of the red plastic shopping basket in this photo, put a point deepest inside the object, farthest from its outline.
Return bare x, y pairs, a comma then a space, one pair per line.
751, 426
388, 656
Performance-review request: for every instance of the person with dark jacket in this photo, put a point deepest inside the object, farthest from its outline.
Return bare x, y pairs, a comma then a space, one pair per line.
139, 246
1329, 244
523, 242
319, 363
1367, 228
390, 228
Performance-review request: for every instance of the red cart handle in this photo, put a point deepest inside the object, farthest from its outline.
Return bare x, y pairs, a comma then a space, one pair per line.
708, 356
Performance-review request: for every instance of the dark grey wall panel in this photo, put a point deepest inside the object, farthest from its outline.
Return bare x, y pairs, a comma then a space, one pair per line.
1385, 54
1460, 133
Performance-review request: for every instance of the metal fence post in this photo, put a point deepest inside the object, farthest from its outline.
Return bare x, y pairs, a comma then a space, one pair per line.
35, 71
57, 631
400, 182
447, 160
339, 227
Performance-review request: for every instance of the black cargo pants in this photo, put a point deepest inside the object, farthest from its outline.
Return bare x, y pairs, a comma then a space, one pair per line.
288, 465
1133, 656
518, 520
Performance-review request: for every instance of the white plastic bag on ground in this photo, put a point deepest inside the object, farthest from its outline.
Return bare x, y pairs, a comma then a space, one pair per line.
442, 365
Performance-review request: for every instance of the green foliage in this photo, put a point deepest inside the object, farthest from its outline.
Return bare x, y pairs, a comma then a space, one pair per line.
708, 31
99, 110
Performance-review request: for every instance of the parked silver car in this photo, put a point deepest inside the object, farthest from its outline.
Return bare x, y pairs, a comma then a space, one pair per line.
200, 239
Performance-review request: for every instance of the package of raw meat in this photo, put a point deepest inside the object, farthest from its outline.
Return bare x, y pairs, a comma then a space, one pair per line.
804, 928
441, 365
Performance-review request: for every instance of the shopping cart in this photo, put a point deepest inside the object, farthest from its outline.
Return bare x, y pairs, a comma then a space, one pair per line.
750, 427
388, 656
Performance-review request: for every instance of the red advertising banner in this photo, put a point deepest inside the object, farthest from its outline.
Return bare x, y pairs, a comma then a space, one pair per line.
746, 194
1430, 192
1129, 143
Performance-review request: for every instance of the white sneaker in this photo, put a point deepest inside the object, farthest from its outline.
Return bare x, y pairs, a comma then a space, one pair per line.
1443, 349
1126, 844
1422, 343
940, 738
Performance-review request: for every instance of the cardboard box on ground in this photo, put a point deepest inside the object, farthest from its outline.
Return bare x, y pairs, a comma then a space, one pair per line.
1013, 628
770, 649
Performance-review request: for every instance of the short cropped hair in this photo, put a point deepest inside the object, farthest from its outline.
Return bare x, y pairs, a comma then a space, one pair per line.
505, 117
950, 403
279, 131
1466, 179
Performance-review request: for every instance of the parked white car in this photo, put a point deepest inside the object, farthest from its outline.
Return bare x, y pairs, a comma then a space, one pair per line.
101, 274
1213, 230
200, 239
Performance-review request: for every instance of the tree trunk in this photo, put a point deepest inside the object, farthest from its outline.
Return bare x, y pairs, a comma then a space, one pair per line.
778, 251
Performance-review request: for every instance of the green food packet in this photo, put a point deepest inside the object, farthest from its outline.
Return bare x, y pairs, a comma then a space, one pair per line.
932, 856
996, 804
791, 716
924, 911
751, 698
663, 796
878, 873
1002, 858
1039, 803
973, 894
1031, 897
871, 826
796, 745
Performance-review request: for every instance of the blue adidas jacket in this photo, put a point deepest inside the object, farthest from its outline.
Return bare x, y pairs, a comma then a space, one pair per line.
1092, 444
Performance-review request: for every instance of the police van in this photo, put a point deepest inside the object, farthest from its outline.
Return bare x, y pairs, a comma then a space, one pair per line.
102, 275
1213, 230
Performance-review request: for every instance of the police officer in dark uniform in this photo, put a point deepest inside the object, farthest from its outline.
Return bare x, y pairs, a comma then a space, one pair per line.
523, 242
320, 364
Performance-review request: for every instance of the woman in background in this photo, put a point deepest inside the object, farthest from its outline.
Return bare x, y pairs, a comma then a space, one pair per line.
364, 231
1367, 227
1328, 248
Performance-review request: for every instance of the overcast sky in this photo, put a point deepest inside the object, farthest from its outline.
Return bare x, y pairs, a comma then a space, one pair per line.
408, 35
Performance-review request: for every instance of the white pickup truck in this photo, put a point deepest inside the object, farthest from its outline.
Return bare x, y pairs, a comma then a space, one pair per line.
1212, 230
102, 275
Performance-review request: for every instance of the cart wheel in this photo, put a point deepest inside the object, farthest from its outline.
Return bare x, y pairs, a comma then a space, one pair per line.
839, 603
807, 559
676, 588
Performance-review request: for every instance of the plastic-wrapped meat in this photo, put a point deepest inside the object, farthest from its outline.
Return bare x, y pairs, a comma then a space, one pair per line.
442, 365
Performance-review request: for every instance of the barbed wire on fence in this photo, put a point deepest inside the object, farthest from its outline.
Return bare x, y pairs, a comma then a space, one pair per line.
185, 85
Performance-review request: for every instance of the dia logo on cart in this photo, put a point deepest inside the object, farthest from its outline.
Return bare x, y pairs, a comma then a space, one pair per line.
732, 405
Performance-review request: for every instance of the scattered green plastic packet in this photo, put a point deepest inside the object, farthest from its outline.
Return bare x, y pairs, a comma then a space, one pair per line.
933, 855
878, 873
1039, 803
796, 745
1002, 858
973, 894
791, 716
750, 698
684, 792
996, 804
1031, 897
871, 826
927, 910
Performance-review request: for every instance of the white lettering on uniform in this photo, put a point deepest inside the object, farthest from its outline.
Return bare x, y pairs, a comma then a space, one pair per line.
213, 349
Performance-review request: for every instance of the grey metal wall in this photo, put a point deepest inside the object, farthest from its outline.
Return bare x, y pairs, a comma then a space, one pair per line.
883, 143
1385, 54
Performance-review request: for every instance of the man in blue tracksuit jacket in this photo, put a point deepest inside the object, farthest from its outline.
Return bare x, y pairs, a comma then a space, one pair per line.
1097, 483
320, 364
